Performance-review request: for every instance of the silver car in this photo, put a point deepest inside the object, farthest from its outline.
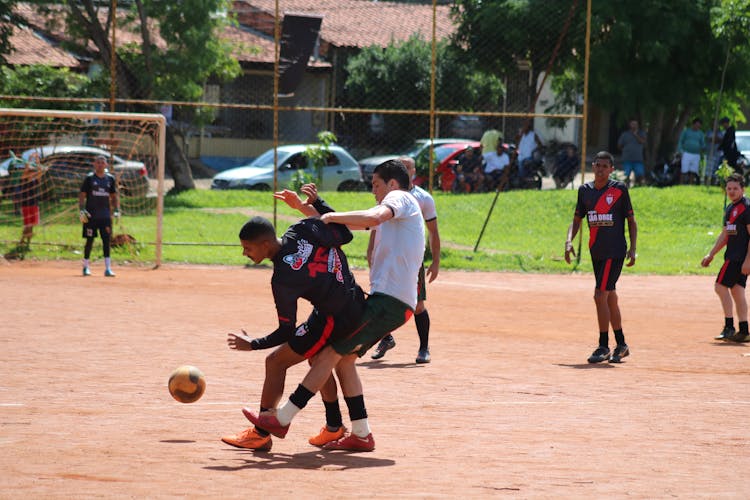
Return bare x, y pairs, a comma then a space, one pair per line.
341, 172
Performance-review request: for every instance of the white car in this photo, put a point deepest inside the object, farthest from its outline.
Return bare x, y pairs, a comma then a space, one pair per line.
341, 173
742, 138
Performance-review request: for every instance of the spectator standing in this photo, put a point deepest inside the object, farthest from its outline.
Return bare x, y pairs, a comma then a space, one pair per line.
95, 201
29, 194
691, 144
732, 278
631, 143
528, 141
728, 144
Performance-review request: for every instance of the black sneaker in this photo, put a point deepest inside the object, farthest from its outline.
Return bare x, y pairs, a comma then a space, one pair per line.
739, 337
384, 346
423, 356
601, 354
725, 334
620, 352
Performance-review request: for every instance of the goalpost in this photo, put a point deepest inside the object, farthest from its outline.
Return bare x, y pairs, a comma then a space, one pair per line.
45, 155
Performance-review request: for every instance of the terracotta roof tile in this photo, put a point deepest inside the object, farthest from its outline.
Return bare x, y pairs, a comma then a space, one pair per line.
357, 23
30, 48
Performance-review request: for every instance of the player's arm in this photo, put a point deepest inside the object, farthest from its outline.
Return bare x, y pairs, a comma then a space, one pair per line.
370, 247
360, 219
633, 233
721, 241
114, 202
572, 231
433, 238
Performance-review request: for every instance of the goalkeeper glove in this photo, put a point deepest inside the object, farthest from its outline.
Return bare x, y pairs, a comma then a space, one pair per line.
84, 215
116, 214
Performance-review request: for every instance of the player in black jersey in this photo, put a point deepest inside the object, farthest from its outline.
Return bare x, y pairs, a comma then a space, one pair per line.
97, 197
605, 204
308, 263
732, 277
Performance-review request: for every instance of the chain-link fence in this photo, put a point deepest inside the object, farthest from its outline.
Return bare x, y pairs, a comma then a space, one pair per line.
234, 79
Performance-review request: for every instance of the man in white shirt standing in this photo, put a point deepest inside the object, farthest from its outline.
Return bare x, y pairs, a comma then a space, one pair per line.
421, 316
396, 258
527, 141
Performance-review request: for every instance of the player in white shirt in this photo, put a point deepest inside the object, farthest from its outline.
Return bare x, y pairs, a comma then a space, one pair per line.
421, 316
396, 259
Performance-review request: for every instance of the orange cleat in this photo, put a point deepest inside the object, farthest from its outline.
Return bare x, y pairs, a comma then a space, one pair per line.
326, 436
249, 439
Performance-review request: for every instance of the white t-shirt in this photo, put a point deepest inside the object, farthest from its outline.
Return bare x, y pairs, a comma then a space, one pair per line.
494, 161
526, 145
426, 203
398, 249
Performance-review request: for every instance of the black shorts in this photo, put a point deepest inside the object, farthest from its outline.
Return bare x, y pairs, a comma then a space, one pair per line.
730, 274
97, 226
607, 272
321, 329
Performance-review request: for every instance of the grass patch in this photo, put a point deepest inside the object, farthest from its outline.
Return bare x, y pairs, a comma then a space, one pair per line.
526, 232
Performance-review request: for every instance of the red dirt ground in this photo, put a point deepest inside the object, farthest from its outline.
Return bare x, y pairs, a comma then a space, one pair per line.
508, 407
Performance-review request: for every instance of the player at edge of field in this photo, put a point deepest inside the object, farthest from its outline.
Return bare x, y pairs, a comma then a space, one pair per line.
606, 205
308, 263
421, 316
732, 278
397, 256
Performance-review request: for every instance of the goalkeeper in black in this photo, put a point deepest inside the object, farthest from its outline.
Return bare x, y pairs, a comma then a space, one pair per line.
98, 201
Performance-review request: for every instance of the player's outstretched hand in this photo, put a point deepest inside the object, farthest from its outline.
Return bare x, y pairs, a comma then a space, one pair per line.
290, 198
569, 251
311, 191
239, 342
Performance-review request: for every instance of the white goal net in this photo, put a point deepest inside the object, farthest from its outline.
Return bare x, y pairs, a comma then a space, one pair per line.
45, 156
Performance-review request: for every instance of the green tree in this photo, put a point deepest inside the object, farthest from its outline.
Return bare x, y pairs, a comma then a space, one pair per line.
398, 76
659, 61
6, 27
178, 49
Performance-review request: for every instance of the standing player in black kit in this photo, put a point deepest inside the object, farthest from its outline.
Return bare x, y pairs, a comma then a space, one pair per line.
606, 205
97, 197
732, 277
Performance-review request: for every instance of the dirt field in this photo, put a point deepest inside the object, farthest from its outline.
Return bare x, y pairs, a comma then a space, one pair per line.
508, 407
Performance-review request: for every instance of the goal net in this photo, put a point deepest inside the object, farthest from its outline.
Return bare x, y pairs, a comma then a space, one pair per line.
45, 156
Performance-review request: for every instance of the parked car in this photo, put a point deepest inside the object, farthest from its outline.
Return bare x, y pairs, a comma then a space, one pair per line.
419, 147
66, 166
742, 138
341, 173
447, 156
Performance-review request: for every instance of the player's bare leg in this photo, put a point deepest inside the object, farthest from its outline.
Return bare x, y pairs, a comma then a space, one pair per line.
277, 364
740, 303
615, 319
334, 428
727, 304
360, 438
601, 299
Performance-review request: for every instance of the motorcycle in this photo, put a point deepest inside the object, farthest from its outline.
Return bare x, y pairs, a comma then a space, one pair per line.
666, 174
530, 178
567, 165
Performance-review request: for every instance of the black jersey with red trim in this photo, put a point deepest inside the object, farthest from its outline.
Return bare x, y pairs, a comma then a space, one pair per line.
310, 265
605, 210
736, 219
97, 191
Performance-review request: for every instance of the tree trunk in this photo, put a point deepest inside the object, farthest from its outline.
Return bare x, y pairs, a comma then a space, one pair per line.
177, 164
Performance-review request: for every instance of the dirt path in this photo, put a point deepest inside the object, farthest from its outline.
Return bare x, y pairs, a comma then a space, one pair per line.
508, 407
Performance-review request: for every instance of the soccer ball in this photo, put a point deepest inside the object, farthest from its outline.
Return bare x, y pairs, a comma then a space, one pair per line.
186, 384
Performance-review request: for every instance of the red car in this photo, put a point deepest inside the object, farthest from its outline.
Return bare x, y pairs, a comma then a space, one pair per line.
447, 156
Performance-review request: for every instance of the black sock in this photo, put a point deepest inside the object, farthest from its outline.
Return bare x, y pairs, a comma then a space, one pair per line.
728, 322
619, 337
356, 406
743, 326
422, 320
260, 431
333, 414
301, 396
603, 339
